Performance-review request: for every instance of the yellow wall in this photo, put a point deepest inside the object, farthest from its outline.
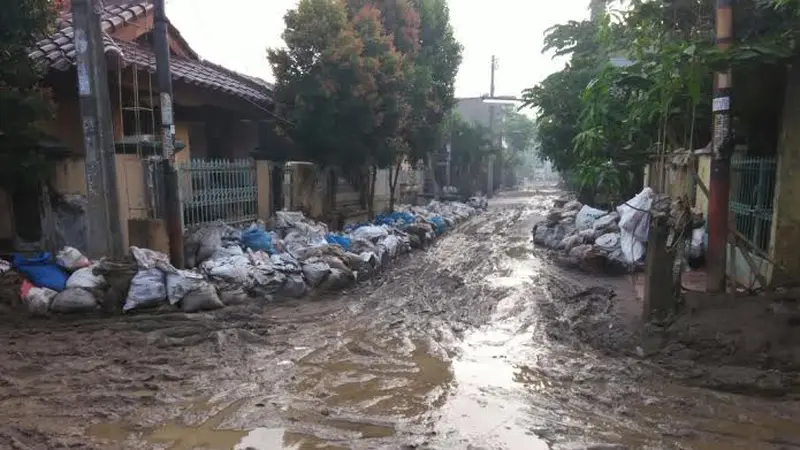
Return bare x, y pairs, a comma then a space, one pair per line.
704, 175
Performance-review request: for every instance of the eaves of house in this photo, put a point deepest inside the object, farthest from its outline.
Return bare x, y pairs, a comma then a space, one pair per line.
122, 24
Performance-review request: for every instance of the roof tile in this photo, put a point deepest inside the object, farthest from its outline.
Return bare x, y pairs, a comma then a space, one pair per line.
58, 51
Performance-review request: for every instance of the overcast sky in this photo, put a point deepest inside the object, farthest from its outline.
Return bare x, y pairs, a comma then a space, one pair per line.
235, 33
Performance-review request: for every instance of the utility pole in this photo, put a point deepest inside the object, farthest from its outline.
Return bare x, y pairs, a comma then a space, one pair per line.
171, 206
719, 189
490, 174
104, 235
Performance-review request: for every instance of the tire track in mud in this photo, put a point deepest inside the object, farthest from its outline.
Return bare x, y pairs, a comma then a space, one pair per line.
103, 382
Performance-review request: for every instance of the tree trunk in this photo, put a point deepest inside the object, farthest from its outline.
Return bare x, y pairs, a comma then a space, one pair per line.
372, 174
393, 185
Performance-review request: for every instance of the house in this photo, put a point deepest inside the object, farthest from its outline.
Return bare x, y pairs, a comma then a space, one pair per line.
764, 187
221, 120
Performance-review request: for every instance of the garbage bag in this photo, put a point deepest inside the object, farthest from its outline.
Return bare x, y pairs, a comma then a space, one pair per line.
342, 241
181, 283
580, 252
608, 242
118, 276
72, 259
316, 272
73, 300
148, 288
37, 299
293, 287
255, 238
696, 247
587, 216
438, 224
85, 278
204, 297
41, 271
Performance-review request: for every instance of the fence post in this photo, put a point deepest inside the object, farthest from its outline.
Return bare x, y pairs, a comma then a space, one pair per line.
659, 286
263, 190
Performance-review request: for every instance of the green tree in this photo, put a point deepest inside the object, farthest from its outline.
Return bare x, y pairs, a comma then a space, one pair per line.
600, 122
340, 83
24, 104
470, 146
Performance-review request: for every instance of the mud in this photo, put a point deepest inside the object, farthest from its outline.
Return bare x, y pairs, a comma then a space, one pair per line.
476, 343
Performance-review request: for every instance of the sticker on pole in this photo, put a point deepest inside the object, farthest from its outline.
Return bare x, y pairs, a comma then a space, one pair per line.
721, 104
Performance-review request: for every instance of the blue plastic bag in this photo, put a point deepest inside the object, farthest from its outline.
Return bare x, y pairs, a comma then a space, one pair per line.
41, 271
256, 239
342, 241
438, 224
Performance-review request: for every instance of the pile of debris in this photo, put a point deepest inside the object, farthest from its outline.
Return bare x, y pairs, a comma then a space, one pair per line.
287, 256
606, 241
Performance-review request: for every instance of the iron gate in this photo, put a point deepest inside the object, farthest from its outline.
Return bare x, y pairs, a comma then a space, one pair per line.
218, 189
752, 195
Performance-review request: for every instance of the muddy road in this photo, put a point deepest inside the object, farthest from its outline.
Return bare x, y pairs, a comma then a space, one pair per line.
458, 347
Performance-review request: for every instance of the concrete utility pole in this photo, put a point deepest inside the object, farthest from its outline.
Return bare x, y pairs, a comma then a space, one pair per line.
721, 158
171, 205
104, 232
490, 174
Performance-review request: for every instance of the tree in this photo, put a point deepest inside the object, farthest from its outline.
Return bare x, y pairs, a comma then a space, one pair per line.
600, 123
340, 83
433, 95
24, 104
470, 146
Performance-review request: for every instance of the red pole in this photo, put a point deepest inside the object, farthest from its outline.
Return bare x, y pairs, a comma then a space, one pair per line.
719, 189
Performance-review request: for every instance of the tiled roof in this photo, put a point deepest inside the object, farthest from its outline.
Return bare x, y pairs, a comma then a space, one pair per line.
58, 52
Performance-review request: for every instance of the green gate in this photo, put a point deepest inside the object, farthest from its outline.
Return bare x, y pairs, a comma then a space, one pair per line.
752, 194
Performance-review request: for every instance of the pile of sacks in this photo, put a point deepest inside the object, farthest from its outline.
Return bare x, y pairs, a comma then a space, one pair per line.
608, 241
594, 239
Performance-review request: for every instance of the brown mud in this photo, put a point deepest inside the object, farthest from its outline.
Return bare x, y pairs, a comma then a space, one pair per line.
475, 344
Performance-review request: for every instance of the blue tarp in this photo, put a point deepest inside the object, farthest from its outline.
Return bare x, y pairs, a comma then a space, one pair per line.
343, 241
394, 219
438, 224
256, 239
41, 271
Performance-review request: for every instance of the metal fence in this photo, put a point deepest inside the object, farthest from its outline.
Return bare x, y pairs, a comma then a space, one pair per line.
218, 189
752, 194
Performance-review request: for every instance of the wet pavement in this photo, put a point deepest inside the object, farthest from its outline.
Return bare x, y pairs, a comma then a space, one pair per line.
449, 349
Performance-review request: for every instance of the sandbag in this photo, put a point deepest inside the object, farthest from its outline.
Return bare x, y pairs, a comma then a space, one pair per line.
608, 242
316, 272
570, 241
181, 283
293, 287
337, 280
41, 271
233, 296
370, 232
573, 205
203, 298
148, 259
86, 279
607, 223
588, 235
72, 259
148, 288
37, 299
73, 300
587, 216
